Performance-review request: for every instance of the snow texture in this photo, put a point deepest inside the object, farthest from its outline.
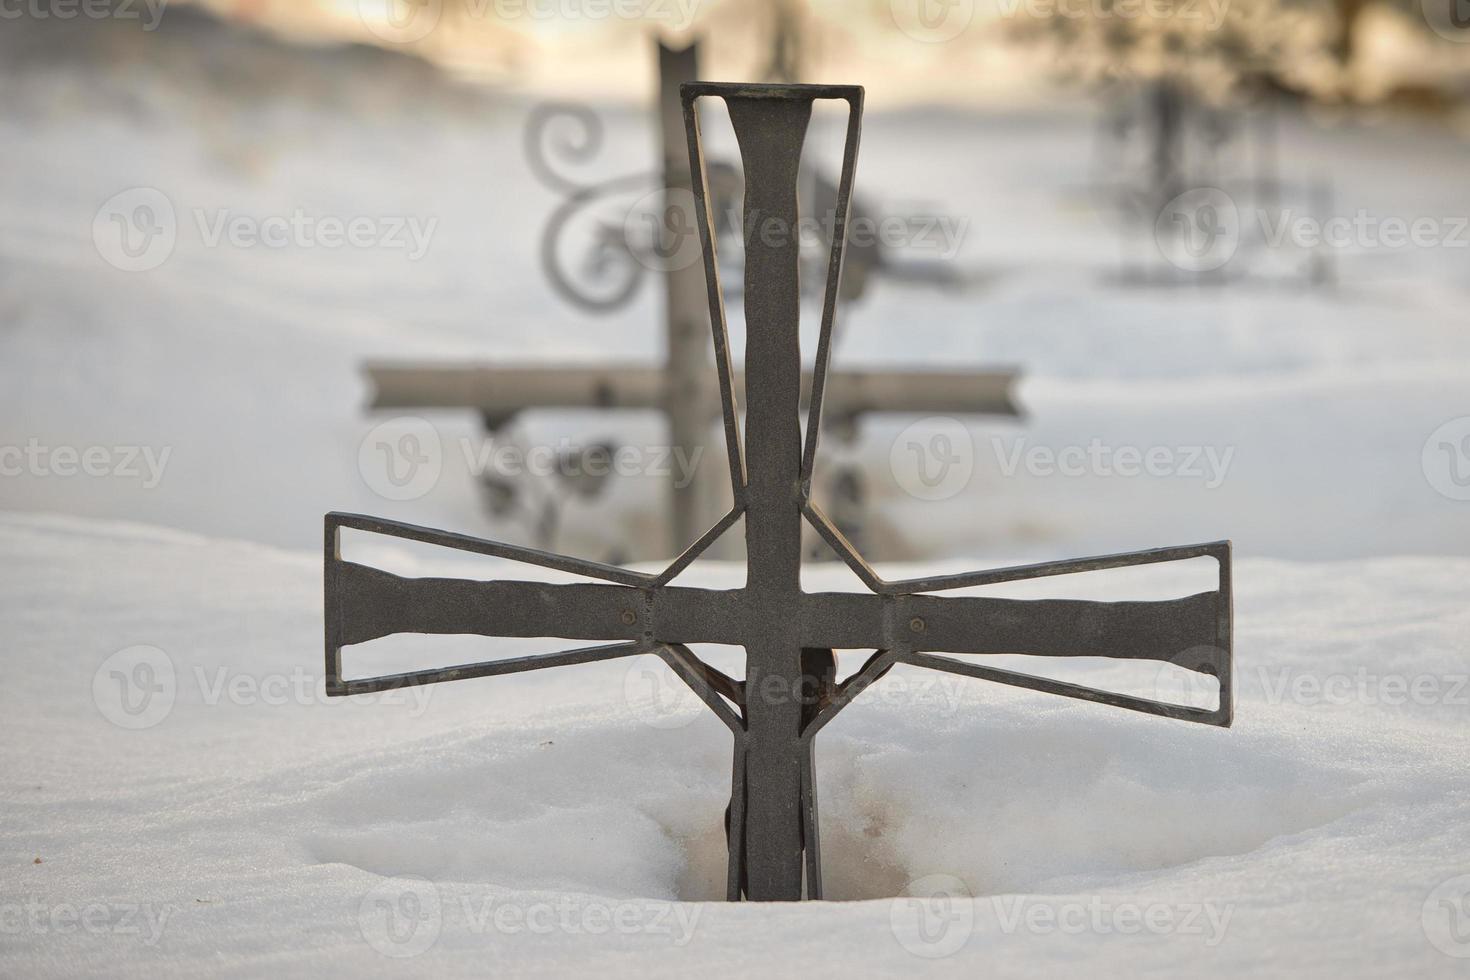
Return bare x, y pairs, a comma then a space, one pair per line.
179, 798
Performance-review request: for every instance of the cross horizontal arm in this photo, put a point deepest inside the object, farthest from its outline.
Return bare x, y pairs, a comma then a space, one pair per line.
501, 391
372, 603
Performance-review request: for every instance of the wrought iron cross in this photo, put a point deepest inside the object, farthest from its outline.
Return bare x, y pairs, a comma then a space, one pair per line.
789, 691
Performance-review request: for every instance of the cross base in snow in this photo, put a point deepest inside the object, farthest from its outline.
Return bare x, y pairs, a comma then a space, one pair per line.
790, 636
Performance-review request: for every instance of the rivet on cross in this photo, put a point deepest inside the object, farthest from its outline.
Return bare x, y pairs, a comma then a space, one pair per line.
789, 692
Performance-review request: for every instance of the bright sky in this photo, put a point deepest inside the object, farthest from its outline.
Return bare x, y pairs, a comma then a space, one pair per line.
906, 50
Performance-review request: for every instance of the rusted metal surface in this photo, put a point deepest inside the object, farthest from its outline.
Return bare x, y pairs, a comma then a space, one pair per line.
789, 692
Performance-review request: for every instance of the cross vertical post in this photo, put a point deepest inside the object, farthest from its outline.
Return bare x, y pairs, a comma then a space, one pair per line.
771, 133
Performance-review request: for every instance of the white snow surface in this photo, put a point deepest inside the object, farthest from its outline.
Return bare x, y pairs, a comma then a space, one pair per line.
238, 823
275, 832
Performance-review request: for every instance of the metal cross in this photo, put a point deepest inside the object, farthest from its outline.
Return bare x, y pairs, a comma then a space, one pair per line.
789, 691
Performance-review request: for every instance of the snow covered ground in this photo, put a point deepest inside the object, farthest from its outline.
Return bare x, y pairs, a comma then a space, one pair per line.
236, 823
180, 799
